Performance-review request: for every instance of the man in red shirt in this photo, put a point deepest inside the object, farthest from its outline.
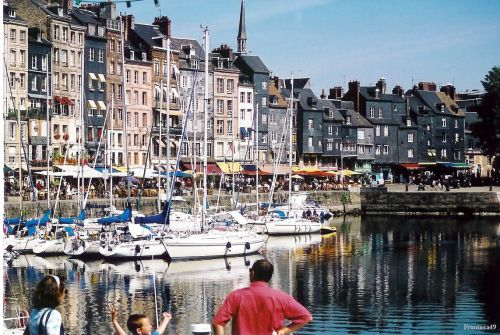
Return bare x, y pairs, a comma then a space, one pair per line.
259, 309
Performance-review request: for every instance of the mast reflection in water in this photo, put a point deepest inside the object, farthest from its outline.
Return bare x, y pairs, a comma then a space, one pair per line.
380, 275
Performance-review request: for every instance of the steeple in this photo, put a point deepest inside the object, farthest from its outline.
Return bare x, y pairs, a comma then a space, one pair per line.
242, 34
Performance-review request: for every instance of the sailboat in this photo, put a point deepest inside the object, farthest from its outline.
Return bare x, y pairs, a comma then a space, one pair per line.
211, 243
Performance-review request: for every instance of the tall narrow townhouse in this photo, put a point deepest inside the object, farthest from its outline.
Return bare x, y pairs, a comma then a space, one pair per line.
67, 38
279, 126
39, 95
154, 40
332, 127
94, 82
138, 97
246, 120
15, 104
192, 95
225, 83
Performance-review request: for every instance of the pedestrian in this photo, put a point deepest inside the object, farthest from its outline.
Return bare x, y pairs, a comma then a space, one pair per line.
139, 324
259, 309
44, 318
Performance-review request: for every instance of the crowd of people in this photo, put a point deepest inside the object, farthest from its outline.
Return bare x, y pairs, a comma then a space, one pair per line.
256, 309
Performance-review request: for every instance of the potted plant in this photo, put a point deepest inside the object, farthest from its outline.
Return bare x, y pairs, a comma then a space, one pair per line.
57, 136
66, 137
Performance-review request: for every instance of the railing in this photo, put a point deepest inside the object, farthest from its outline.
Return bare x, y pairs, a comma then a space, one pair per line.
39, 112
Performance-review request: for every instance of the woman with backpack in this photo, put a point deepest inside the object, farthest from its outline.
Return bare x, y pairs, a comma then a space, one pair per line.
44, 319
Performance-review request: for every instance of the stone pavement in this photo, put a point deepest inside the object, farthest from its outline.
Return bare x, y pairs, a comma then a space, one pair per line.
413, 188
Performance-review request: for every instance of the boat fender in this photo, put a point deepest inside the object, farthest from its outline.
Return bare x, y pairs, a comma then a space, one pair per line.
102, 237
103, 243
228, 245
247, 245
137, 249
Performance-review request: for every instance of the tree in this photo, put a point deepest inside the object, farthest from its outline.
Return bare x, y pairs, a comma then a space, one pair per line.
487, 129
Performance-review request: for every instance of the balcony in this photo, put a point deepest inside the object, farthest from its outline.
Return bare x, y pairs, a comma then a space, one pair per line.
12, 114
39, 113
35, 140
174, 130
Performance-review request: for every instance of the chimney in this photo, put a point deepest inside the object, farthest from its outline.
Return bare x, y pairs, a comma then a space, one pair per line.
276, 82
377, 93
128, 24
67, 5
225, 51
164, 25
336, 93
108, 10
398, 90
354, 92
381, 85
427, 86
323, 95
449, 90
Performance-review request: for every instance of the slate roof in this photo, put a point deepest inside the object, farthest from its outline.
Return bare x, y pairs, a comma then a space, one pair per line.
324, 103
432, 99
7, 18
149, 34
254, 63
357, 120
388, 122
298, 83
177, 44
368, 92
273, 91
85, 16
450, 104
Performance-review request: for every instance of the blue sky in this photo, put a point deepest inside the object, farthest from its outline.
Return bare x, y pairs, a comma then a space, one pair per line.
334, 41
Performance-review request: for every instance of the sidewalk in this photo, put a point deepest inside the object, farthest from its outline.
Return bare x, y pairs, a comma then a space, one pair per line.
413, 188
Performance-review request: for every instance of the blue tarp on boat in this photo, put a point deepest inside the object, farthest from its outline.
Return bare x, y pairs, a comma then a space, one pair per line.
39, 222
12, 221
126, 216
70, 231
78, 220
157, 218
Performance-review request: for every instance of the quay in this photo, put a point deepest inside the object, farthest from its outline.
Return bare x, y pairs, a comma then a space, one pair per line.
389, 199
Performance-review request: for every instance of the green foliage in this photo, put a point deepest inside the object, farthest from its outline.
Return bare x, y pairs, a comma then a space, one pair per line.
487, 129
345, 198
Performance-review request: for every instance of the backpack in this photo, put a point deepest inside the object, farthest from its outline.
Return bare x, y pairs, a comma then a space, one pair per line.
42, 325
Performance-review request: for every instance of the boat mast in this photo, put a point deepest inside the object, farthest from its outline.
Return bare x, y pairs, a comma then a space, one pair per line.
168, 117
290, 151
205, 133
256, 157
20, 153
125, 117
47, 149
111, 135
159, 146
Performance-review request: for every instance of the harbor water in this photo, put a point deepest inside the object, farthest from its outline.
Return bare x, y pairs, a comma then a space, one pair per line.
375, 275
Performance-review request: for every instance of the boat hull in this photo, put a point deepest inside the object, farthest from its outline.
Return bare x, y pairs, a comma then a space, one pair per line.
49, 247
134, 249
213, 245
82, 248
292, 227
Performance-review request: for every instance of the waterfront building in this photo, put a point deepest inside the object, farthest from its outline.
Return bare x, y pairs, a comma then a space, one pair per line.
246, 120
15, 87
67, 38
441, 125
333, 132
278, 127
94, 81
225, 100
138, 96
39, 73
469, 101
309, 121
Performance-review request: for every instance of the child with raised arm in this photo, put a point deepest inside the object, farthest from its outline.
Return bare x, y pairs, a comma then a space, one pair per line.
139, 324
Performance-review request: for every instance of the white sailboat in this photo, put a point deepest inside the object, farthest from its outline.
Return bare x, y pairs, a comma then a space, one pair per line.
212, 243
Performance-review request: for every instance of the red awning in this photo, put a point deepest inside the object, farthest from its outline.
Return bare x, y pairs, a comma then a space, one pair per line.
411, 166
212, 168
60, 100
68, 101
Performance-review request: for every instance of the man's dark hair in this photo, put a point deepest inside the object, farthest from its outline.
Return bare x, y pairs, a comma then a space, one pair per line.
134, 322
262, 270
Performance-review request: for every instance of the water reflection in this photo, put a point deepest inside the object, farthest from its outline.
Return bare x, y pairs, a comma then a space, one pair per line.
386, 275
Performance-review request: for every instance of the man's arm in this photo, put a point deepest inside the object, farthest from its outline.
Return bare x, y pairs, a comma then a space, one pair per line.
218, 329
291, 328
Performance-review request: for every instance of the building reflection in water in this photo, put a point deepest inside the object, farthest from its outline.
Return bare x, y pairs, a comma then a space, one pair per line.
379, 274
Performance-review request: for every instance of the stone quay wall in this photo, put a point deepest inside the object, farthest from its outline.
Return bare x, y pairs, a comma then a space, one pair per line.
381, 201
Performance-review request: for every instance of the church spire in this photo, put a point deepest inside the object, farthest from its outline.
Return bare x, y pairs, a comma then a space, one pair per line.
242, 34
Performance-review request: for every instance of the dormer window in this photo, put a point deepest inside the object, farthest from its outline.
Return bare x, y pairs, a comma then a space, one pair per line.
408, 122
12, 13
144, 56
219, 63
132, 55
60, 12
348, 120
442, 108
91, 29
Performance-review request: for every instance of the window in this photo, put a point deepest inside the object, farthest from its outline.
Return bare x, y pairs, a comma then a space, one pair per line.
220, 85
220, 106
101, 55
229, 108
264, 85
43, 85
157, 67
348, 120
410, 137
91, 29
120, 92
144, 78
230, 127
111, 67
132, 55
443, 153
136, 98
386, 149
330, 113
264, 138
144, 56
91, 84
457, 138
249, 97
34, 61
310, 141
230, 85
127, 76
380, 112
111, 45
443, 122
220, 127
144, 98
361, 134
264, 101
386, 131
21, 81
395, 109
443, 138
13, 35
310, 124
264, 118
428, 128
22, 57
13, 57
410, 153
361, 149
55, 78
377, 130
72, 37
408, 122
91, 54
33, 84
242, 114
65, 34
209, 124
456, 123
136, 77
64, 57
72, 58
372, 112
144, 122
377, 149
12, 130
329, 145
136, 119
330, 130
242, 97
